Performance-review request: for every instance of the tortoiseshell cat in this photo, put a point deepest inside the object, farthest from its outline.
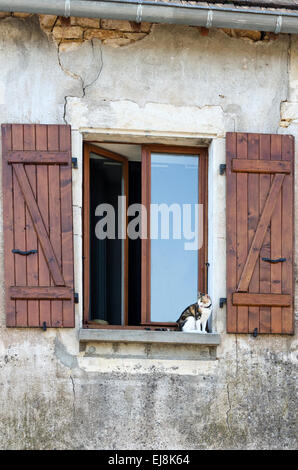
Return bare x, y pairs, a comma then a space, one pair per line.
194, 318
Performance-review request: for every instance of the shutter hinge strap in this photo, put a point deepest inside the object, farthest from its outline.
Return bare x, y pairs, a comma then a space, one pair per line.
76, 298
222, 168
74, 163
222, 301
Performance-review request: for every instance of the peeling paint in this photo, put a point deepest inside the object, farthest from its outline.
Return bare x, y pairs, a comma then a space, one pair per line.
68, 360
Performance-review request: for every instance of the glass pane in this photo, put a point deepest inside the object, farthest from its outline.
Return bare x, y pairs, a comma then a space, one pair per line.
106, 254
174, 270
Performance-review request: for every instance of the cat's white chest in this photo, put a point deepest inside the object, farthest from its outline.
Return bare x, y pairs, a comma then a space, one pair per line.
206, 312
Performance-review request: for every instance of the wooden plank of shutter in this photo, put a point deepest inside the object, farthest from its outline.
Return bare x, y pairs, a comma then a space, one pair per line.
231, 233
258, 166
253, 214
39, 287
63, 293
19, 230
276, 241
55, 216
265, 273
42, 199
288, 237
259, 235
260, 224
8, 227
40, 229
242, 226
31, 238
37, 157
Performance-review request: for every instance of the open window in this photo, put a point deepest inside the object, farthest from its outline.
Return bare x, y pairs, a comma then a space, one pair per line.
131, 282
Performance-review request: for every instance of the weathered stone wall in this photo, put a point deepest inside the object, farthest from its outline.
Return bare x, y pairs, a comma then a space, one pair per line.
174, 84
69, 31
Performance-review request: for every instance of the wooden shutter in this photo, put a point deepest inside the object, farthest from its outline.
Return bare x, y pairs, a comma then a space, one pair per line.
260, 233
37, 221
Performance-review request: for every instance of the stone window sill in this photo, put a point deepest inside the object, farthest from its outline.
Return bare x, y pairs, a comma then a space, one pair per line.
143, 336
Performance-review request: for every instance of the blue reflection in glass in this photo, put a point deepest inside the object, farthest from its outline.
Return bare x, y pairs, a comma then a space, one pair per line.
174, 271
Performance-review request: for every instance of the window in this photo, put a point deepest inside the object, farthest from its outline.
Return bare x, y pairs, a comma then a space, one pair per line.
172, 275
131, 282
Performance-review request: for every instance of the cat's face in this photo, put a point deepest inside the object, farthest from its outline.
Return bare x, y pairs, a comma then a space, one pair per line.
203, 300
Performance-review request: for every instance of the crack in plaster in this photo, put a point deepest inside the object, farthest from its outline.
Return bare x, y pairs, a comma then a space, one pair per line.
236, 355
284, 122
74, 394
64, 357
78, 77
229, 409
84, 86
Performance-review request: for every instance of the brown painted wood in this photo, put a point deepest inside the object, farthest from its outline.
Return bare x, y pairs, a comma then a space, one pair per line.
242, 298
183, 149
19, 230
231, 231
276, 241
259, 235
31, 238
42, 198
265, 273
145, 249
40, 228
242, 227
32, 206
55, 217
94, 325
253, 165
266, 202
288, 234
37, 157
86, 235
49, 293
8, 226
203, 199
253, 142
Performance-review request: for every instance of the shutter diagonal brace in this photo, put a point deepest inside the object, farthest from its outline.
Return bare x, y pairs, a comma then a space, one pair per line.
260, 232
39, 226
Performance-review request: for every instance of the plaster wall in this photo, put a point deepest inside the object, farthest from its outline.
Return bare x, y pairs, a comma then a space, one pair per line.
175, 85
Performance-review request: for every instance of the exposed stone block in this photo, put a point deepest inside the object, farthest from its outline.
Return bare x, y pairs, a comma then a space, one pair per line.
21, 15
68, 32
47, 21
113, 38
86, 22
242, 33
122, 25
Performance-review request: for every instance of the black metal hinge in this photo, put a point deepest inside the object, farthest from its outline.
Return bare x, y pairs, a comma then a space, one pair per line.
222, 168
74, 163
222, 301
76, 298
255, 332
